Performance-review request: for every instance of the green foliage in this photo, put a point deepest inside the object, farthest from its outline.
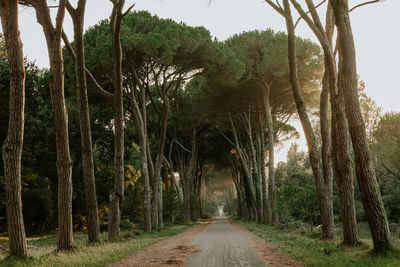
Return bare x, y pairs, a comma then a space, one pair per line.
386, 148
44, 255
296, 189
312, 251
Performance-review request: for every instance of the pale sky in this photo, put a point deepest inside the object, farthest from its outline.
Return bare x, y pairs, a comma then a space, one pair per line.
375, 28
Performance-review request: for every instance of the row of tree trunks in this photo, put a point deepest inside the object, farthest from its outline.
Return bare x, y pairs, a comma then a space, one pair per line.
342, 163
365, 171
324, 188
12, 147
254, 208
339, 133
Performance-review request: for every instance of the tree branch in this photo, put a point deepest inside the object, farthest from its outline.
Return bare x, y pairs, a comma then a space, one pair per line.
364, 4
308, 12
100, 90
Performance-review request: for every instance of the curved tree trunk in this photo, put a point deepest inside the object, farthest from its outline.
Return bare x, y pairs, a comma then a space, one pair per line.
77, 16
325, 204
12, 147
254, 210
365, 171
342, 163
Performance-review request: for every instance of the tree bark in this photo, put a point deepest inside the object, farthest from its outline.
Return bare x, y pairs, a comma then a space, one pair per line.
267, 216
365, 171
324, 200
342, 163
64, 163
12, 147
77, 16
159, 160
117, 194
140, 113
271, 168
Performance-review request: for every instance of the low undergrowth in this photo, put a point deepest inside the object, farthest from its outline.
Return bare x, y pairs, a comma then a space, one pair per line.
42, 251
307, 247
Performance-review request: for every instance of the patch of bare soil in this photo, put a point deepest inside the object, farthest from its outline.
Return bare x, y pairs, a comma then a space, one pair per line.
169, 252
268, 251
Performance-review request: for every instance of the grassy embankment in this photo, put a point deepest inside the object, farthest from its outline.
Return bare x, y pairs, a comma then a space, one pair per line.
42, 251
301, 244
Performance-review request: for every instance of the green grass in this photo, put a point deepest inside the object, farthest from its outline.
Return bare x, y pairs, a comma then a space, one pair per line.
42, 252
306, 247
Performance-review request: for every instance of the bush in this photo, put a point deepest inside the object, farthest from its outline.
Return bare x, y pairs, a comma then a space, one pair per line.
127, 224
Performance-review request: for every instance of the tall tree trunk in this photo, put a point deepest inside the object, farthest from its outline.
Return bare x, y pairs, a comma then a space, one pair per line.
253, 163
325, 204
64, 163
172, 179
159, 160
271, 168
12, 147
145, 167
344, 177
326, 155
145, 171
77, 16
141, 124
365, 171
266, 205
117, 194
342, 163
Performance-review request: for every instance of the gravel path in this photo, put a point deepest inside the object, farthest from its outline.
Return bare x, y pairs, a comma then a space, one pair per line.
224, 246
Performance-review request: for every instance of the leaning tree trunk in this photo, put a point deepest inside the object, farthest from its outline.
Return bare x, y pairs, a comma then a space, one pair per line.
271, 168
342, 164
344, 177
117, 194
12, 147
365, 171
250, 193
64, 163
77, 16
341, 159
324, 200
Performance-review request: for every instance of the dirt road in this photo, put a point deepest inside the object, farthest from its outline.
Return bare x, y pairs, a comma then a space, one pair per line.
214, 243
224, 246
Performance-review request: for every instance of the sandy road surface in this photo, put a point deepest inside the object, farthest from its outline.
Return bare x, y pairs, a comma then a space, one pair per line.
222, 245
213, 243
